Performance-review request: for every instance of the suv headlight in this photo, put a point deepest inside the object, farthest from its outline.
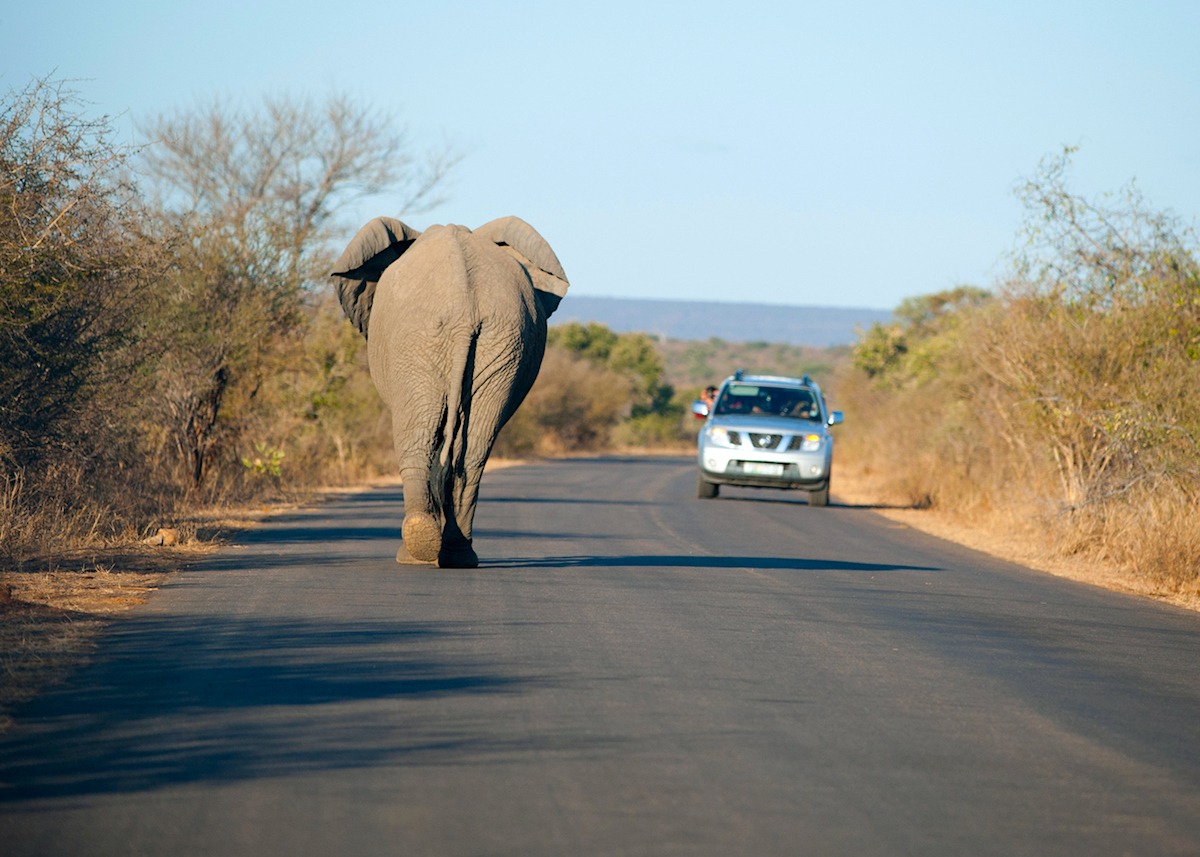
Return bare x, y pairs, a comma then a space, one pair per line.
810, 443
720, 437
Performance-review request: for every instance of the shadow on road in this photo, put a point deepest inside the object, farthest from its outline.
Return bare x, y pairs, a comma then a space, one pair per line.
565, 501
700, 562
214, 699
796, 498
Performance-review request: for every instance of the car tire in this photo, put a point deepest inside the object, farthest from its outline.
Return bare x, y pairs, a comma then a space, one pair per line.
819, 498
706, 490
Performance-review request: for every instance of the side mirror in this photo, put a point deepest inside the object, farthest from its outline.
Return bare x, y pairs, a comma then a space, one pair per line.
836, 417
700, 409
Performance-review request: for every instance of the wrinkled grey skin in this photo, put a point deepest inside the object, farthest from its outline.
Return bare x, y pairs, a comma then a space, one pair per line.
455, 322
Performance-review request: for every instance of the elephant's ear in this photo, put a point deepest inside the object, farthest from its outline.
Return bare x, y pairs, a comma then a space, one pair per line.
362, 263
531, 250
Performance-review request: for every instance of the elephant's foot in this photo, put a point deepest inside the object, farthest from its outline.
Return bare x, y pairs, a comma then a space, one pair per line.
405, 558
458, 554
422, 537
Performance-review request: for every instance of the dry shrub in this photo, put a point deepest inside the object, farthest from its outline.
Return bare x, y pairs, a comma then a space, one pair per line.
319, 414
1151, 532
13, 524
663, 432
71, 504
1162, 539
315, 419
1046, 416
1067, 402
1100, 392
925, 446
1069, 399
574, 406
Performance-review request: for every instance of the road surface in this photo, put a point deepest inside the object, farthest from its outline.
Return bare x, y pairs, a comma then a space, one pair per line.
631, 671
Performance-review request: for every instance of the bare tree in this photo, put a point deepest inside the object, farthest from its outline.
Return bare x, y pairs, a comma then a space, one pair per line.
248, 199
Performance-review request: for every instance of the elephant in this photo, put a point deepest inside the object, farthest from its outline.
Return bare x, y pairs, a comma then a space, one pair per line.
455, 323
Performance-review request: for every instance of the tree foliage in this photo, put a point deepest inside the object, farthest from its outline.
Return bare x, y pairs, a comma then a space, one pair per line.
906, 349
74, 266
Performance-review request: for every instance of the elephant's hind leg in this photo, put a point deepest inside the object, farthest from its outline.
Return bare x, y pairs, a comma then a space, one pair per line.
458, 554
422, 528
416, 430
456, 543
462, 492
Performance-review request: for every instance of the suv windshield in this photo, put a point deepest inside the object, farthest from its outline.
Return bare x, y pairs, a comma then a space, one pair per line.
765, 399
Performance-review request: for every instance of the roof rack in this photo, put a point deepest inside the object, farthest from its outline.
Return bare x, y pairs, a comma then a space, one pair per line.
805, 379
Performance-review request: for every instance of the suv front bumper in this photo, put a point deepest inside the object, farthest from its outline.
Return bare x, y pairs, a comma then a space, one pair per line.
764, 469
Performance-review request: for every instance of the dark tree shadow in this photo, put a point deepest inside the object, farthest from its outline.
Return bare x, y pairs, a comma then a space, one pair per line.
179, 700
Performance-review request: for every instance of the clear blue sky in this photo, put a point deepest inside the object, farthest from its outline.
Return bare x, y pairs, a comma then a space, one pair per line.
839, 154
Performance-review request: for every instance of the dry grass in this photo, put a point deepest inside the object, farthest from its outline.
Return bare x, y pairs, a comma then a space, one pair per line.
51, 613
1008, 535
40, 646
55, 605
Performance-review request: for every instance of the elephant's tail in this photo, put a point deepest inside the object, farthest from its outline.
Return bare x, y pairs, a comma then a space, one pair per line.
455, 403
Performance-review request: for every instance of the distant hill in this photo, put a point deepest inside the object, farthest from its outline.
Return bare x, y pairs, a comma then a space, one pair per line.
733, 322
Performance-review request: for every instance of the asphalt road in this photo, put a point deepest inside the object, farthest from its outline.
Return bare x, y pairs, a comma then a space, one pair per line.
630, 671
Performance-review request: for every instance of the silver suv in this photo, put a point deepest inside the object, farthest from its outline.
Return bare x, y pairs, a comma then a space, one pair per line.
765, 431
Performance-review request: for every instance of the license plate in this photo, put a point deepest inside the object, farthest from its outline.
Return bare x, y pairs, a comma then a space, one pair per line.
762, 468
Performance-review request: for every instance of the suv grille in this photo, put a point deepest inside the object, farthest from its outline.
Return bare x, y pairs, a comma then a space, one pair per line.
765, 441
